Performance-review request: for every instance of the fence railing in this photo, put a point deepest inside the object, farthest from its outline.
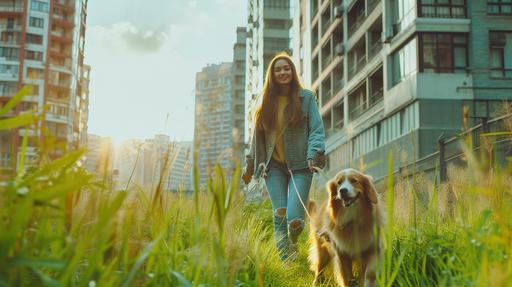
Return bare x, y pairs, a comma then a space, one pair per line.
452, 150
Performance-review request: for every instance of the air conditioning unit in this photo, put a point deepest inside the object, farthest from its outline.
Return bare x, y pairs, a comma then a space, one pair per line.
339, 49
387, 35
338, 11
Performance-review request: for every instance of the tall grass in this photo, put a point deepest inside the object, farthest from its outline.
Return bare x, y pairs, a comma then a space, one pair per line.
61, 226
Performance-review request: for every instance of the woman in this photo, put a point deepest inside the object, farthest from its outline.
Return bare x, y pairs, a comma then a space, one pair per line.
287, 145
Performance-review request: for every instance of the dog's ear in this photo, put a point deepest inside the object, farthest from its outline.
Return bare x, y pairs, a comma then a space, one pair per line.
369, 189
331, 187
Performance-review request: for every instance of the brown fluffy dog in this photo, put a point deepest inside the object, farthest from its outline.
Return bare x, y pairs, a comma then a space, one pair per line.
346, 228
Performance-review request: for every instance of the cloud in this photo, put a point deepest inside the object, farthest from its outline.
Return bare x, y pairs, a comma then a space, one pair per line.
126, 35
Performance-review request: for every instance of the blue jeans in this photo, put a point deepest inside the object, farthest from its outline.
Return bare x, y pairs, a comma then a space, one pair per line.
284, 196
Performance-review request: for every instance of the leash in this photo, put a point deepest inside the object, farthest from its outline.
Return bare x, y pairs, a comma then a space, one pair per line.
318, 171
298, 194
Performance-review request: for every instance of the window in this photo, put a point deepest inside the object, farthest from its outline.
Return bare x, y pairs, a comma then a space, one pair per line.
500, 44
9, 53
284, 4
33, 55
39, 6
443, 53
276, 24
8, 88
499, 7
35, 74
9, 69
36, 22
403, 14
404, 62
34, 39
443, 8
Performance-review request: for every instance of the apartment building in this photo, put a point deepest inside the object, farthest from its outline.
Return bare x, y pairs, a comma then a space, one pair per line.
396, 75
99, 157
268, 32
238, 93
42, 45
213, 129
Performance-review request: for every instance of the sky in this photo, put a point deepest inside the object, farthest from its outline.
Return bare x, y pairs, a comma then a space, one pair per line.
144, 55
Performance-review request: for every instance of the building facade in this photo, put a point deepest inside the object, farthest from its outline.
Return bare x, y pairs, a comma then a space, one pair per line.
397, 75
99, 157
42, 45
268, 32
238, 93
155, 163
213, 129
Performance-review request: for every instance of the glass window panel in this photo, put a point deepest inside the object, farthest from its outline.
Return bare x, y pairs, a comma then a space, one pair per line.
445, 58
460, 59
443, 12
458, 12
459, 39
429, 57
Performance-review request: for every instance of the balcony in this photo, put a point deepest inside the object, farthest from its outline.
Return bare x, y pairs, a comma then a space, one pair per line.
326, 55
374, 39
376, 87
356, 16
337, 77
11, 8
5, 27
371, 5
56, 52
326, 20
357, 58
65, 5
338, 116
358, 102
62, 37
314, 36
12, 42
326, 91
66, 22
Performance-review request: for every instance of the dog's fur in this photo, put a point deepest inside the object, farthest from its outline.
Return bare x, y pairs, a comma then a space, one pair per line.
346, 228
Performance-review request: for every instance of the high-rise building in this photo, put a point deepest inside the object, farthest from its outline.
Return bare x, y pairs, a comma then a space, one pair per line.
153, 163
268, 32
397, 75
42, 45
238, 93
213, 130
99, 157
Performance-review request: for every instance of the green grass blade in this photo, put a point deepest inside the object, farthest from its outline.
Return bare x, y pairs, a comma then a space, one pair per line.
18, 121
15, 100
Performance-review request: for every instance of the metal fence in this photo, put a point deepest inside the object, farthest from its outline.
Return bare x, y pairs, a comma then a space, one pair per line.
495, 133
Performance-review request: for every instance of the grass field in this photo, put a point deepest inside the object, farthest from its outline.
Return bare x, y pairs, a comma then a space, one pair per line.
60, 226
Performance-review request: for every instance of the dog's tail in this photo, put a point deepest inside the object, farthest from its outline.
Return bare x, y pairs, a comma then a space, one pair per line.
311, 207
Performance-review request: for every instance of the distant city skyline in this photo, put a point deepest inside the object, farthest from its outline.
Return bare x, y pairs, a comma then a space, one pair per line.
144, 59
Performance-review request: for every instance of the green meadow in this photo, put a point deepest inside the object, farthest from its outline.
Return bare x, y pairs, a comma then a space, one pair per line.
61, 226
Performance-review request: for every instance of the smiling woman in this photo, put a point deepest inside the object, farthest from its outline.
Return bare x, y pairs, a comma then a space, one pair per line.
287, 146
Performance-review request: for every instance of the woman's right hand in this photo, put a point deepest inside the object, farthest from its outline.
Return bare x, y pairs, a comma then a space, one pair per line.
246, 178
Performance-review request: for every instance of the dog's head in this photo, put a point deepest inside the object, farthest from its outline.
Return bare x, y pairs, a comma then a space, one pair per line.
349, 186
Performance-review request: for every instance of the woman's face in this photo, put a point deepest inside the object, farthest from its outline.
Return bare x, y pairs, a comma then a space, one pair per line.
283, 72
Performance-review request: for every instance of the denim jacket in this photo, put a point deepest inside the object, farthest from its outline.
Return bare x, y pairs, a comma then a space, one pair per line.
301, 143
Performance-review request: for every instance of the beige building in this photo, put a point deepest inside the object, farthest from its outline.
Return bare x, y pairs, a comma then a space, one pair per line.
42, 45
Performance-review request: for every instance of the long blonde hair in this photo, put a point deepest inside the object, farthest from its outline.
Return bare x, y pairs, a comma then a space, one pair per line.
265, 113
